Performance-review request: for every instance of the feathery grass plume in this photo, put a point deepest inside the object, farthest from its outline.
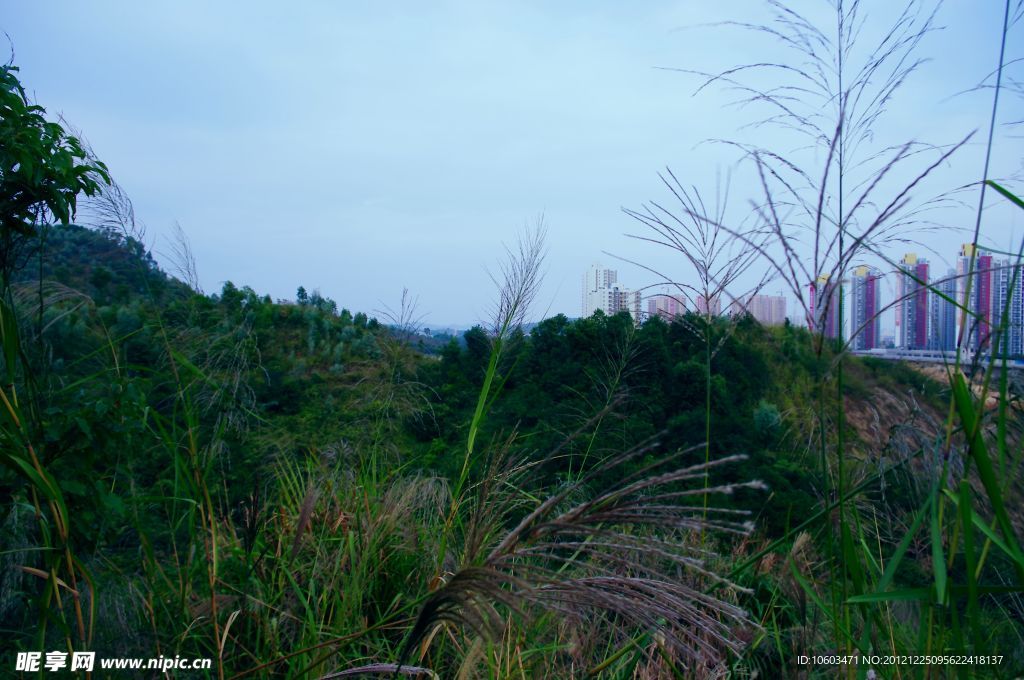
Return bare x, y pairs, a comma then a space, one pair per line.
696, 230
621, 553
518, 281
406, 321
183, 259
521, 277
394, 393
112, 212
379, 669
305, 515
46, 296
719, 259
833, 93
617, 364
819, 218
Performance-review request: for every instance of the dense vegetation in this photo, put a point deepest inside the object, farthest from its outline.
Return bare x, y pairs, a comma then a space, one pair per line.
292, 489
319, 441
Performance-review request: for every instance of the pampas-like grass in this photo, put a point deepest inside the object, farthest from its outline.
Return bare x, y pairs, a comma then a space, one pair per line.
627, 553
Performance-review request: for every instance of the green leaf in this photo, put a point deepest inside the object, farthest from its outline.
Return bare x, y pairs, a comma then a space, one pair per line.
938, 558
967, 528
900, 594
984, 528
901, 549
1013, 198
979, 454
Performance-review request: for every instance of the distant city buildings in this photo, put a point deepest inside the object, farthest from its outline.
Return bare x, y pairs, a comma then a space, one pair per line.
965, 308
601, 290
865, 320
1015, 344
982, 301
929, 308
1006, 302
824, 301
713, 309
943, 313
769, 310
666, 306
912, 303
963, 263
994, 290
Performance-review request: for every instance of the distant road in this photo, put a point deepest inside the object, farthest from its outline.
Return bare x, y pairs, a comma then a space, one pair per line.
928, 356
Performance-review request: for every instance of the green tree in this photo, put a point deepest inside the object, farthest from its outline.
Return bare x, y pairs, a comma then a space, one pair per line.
43, 169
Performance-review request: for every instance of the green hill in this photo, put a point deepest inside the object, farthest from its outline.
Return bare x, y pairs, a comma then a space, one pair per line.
316, 450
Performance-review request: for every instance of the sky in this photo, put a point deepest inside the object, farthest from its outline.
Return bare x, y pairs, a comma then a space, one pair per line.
360, 148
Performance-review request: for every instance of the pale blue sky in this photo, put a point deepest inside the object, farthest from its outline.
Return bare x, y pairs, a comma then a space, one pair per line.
361, 147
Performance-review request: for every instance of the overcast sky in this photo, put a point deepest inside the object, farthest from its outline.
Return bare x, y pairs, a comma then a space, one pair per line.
362, 147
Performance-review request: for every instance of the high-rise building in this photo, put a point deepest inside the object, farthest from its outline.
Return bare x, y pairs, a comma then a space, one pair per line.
944, 313
912, 303
979, 302
1007, 296
602, 291
666, 306
1015, 347
712, 309
595, 280
824, 303
1000, 296
963, 263
769, 310
865, 326
985, 265
624, 300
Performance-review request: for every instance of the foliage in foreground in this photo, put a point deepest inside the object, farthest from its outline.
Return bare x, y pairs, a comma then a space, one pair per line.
291, 490
301, 464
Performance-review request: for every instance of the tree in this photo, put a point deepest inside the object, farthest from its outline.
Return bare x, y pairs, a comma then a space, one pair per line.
43, 169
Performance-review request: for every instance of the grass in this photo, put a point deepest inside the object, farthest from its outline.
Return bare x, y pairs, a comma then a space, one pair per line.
350, 561
342, 563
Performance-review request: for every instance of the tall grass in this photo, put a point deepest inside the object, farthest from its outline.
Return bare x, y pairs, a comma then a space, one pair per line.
605, 556
862, 602
718, 262
340, 564
348, 561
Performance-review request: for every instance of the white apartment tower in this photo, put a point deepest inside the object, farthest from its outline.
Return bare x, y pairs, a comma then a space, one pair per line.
601, 290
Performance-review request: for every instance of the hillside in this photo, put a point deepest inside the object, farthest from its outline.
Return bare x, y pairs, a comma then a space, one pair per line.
322, 448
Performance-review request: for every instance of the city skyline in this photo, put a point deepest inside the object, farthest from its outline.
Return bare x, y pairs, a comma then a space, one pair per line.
924, 316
